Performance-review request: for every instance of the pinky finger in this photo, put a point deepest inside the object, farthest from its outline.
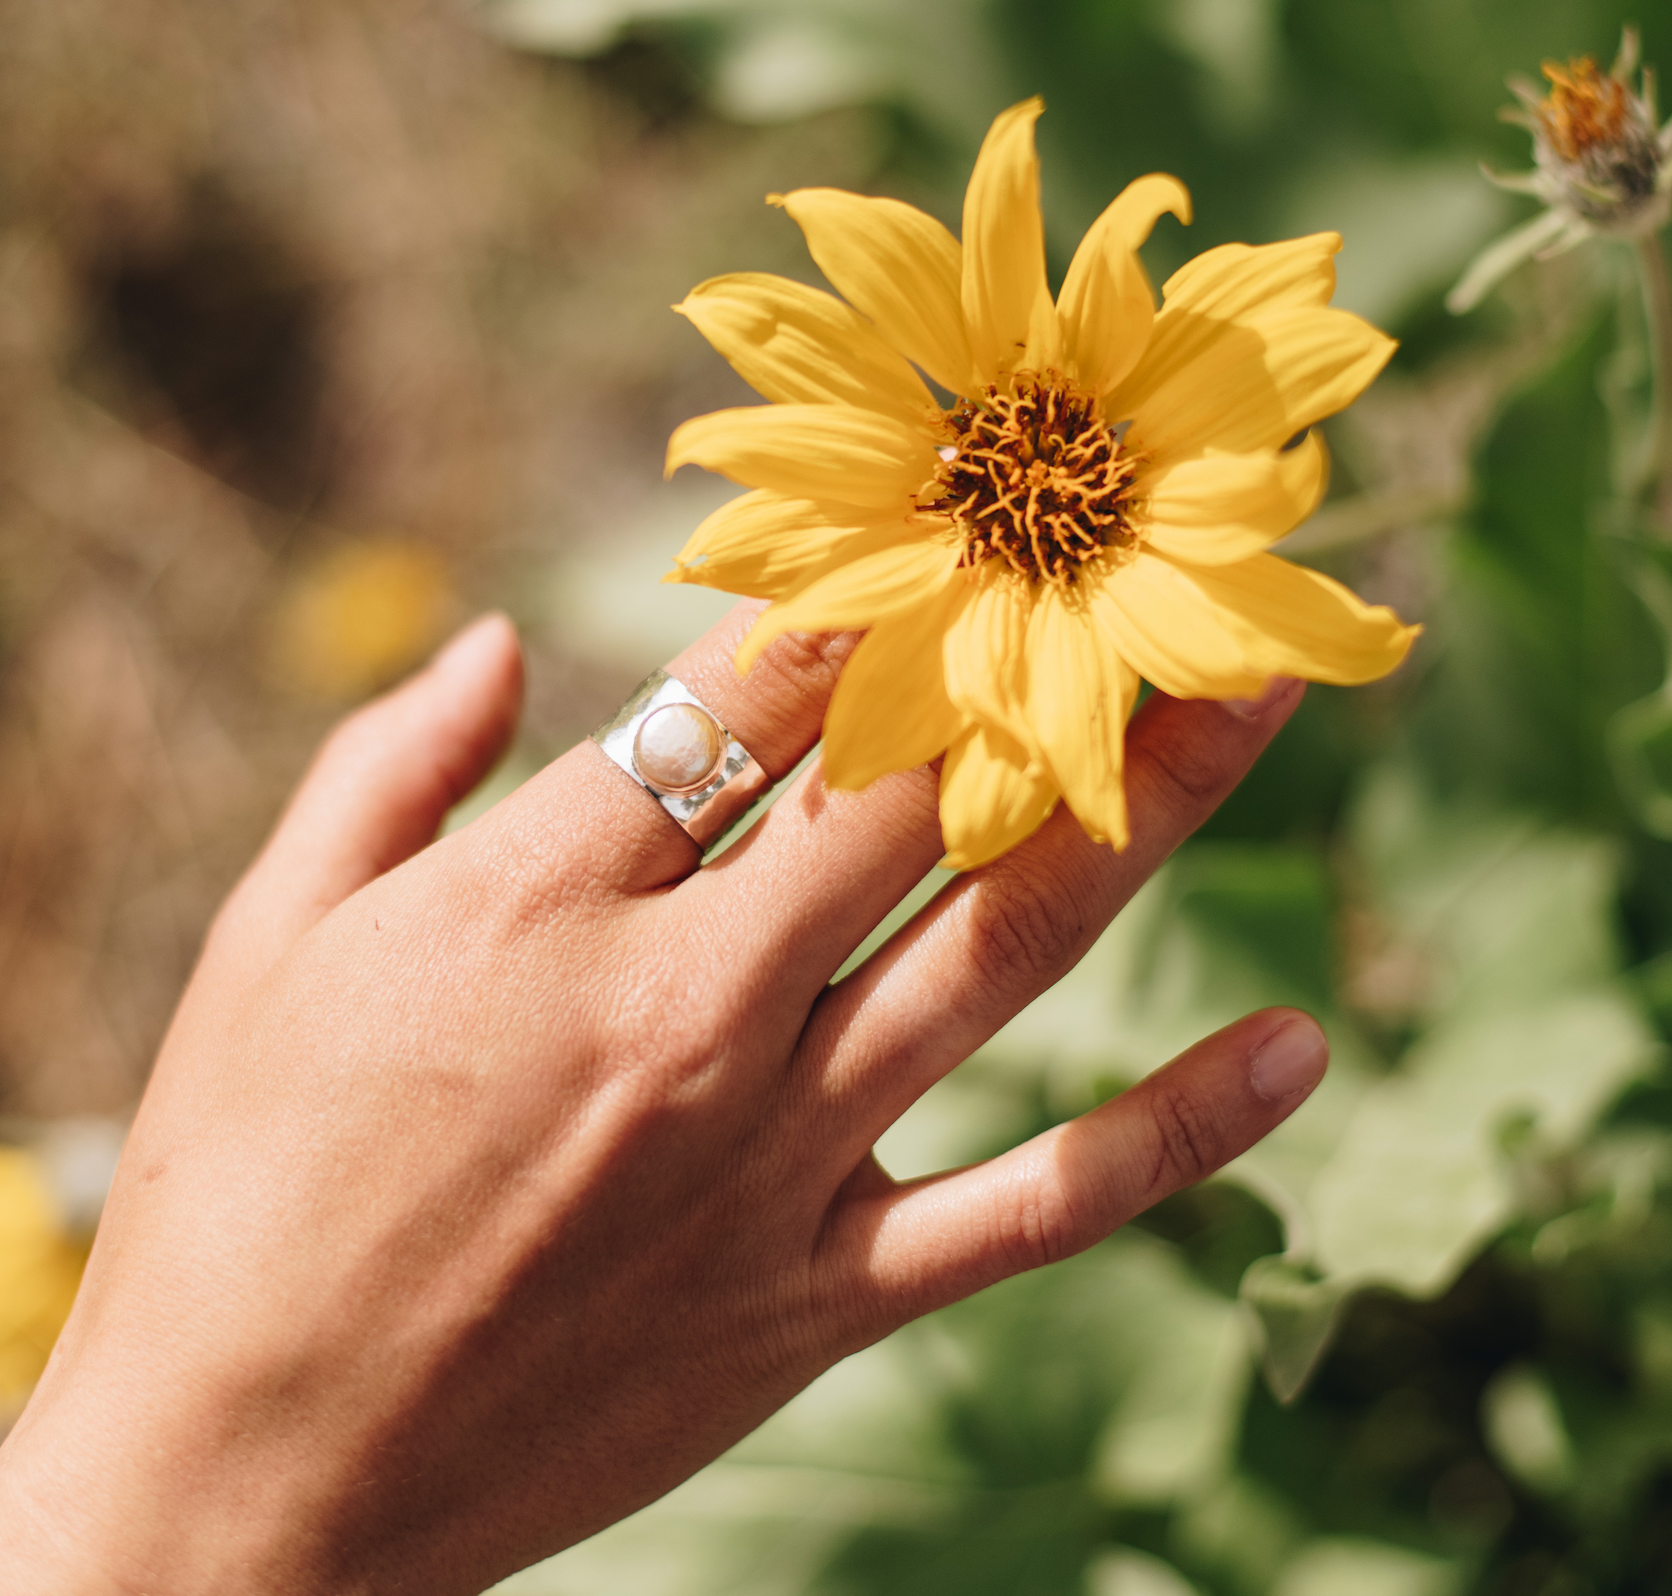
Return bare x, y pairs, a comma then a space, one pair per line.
916, 1247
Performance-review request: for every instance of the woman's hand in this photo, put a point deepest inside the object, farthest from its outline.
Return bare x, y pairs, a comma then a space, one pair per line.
484, 1191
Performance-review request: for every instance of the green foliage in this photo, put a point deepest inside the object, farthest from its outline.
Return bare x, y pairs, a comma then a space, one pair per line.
1419, 1342
1546, 634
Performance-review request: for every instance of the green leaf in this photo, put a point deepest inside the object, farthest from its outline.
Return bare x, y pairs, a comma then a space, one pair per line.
1494, 935
1240, 1533
1540, 637
1297, 1312
1489, 906
1419, 1181
1523, 1424
1366, 1568
1129, 1573
1173, 1430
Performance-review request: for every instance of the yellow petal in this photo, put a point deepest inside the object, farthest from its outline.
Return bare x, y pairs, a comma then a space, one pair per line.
1043, 351
1080, 693
985, 653
1244, 385
763, 545
890, 710
1107, 305
1005, 295
991, 797
896, 265
1238, 279
1298, 622
1223, 507
1166, 628
810, 452
800, 346
857, 594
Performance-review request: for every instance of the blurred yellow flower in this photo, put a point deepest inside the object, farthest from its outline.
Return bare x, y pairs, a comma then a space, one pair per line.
40, 1269
363, 615
1094, 505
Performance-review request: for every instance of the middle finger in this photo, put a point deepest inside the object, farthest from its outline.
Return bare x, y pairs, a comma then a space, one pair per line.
995, 939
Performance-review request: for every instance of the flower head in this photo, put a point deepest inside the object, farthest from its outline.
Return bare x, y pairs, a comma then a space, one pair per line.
1602, 166
1092, 507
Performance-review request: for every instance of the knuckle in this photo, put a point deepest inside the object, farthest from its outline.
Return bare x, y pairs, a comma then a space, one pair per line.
1039, 1225
1014, 934
526, 901
802, 657
1191, 774
802, 667
1187, 1139
692, 1059
526, 884
688, 1034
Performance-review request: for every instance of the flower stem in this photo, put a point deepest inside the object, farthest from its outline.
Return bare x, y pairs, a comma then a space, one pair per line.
1657, 293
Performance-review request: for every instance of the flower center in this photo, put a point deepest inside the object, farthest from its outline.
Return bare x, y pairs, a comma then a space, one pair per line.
1585, 109
1034, 477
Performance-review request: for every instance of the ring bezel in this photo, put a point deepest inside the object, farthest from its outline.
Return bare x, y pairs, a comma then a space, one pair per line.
706, 812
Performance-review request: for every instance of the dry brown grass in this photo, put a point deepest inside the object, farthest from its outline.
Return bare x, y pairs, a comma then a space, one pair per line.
277, 276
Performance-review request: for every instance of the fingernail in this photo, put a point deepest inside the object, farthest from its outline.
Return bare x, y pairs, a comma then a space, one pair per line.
1253, 708
1292, 1059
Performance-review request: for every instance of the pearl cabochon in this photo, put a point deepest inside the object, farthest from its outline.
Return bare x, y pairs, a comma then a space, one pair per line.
679, 748
663, 732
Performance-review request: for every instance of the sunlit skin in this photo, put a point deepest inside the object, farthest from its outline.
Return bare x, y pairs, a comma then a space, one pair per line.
484, 1191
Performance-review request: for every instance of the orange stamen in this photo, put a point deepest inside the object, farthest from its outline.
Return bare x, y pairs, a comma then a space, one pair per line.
1038, 480
1585, 108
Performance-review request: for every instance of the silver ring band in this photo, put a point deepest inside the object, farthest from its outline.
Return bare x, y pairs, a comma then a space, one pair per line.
676, 748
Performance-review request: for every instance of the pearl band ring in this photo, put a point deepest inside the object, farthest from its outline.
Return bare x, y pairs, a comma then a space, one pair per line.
676, 748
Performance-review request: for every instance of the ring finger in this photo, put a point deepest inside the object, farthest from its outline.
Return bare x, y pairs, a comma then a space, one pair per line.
617, 834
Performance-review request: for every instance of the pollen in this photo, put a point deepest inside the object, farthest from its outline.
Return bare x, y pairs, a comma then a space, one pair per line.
1586, 109
1035, 478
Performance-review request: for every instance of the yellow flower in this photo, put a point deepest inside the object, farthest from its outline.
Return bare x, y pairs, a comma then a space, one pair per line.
360, 617
40, 1269
1092, 508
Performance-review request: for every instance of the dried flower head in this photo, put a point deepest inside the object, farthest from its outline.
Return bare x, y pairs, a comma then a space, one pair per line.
1603, 167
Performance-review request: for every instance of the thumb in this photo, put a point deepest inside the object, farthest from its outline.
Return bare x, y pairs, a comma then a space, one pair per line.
376, 793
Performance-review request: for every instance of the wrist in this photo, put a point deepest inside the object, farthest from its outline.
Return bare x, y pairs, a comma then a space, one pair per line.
41, 1553
120, 1509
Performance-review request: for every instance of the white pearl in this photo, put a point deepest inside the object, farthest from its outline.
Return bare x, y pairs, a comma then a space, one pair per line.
678, 748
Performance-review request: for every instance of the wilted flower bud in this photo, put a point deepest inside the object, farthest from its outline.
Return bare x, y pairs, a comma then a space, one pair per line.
1599, 152
1603, 166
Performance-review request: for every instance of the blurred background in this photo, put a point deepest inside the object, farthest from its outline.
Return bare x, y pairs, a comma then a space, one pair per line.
324, 326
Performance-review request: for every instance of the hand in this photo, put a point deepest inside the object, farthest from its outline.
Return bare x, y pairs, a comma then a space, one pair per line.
484, 1191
